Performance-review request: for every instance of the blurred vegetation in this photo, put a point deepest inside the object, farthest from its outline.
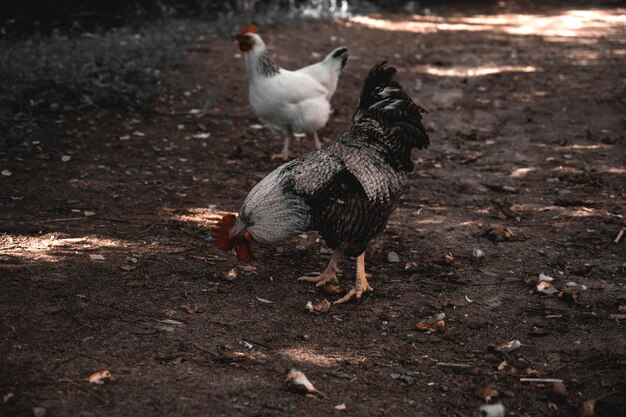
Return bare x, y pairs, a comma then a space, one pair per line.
31, 15
119, 69
73, 54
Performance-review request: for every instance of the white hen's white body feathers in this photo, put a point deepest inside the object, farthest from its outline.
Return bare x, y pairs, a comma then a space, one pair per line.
289, 99
327, 72
297, 100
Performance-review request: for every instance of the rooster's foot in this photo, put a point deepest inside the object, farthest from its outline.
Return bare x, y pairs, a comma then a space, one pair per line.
355, 292
283, 155
321, 280
361, 285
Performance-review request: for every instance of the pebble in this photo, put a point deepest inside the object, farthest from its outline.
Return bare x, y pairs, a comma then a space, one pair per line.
393, 257
39, 411
491, 410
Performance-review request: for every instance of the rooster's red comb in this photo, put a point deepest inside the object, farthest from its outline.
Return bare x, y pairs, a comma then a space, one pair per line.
249, 28
221, 232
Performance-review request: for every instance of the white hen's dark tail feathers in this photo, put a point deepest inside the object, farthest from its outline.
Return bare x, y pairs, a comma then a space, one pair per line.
338, 57
386, 116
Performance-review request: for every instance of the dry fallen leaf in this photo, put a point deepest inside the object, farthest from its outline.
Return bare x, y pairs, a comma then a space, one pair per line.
129, 263
298, 382
559, 390
88, 213
248, 268
321, 307
6, 173
341, 406
191, 308
333, 288
509, 346
569, 294
66, 158
588, 408
434, 324
99, 377
264, 300
487, 393
499, 234
138, 134
447, 258
229, 275
96, 257
546, 288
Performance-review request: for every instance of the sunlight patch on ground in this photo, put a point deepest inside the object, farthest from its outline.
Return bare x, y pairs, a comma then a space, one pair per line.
566, 170
521, 172
308, 355
613, 170
527, 96
572, 23
432, 220
205, 216
594, 147
586, 212
53, 246
471, 71
470, 223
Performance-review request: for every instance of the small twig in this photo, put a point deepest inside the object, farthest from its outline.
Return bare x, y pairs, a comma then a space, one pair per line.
88, 391
619, 235
202, 348
33, 272
453, 365
148, 228
71, 332
493, 283
566, 244
108, 219
261, 344
63, 220
540, 380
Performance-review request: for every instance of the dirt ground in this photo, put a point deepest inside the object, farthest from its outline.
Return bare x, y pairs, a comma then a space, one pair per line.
105, 262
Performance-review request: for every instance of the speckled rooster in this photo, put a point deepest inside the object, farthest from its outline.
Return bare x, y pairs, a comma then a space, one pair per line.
346, 192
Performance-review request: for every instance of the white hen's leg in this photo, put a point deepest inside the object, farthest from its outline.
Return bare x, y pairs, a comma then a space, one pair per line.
284, 154
316, 141
329, 275
360, 285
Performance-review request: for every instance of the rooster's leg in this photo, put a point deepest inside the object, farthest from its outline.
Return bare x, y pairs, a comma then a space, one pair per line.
361, 285
284, 154
316, 141
329, 275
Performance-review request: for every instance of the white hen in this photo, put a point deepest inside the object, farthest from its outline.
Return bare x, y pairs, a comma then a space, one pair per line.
289, 101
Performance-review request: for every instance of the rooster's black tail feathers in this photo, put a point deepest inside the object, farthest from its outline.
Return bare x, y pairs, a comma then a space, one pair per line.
383, 99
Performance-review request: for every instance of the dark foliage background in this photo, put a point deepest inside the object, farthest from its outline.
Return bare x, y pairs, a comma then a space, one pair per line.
93, 54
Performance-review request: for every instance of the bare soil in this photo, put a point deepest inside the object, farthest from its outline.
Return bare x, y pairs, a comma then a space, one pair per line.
527, 130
